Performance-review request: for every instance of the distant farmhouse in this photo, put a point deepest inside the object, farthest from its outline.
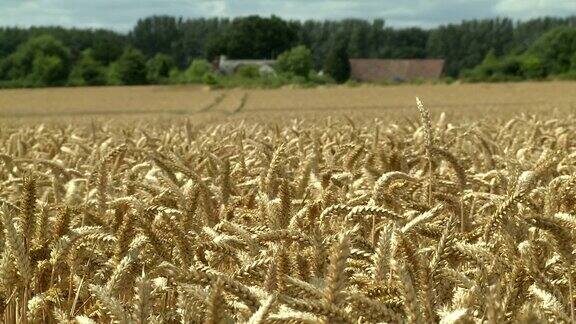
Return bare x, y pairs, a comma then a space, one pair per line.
377, 70
362, 70
228, 67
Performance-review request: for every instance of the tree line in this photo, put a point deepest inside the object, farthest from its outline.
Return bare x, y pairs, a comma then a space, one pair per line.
161, 49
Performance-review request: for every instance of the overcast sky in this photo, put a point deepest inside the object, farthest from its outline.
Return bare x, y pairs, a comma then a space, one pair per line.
121, 15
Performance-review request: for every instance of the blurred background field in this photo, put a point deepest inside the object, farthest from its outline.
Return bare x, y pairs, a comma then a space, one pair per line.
197, 102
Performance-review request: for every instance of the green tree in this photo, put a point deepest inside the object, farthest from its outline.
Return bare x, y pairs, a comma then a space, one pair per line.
42, 60
106, 46
556, 49
159, 67
490, 66
88, 71
130, 68
505, 68
156, 34
47, 70
248, 71
3, 68
298, 61
527, 32
337, 64
551, 54
532, 67
253, 37
465, 45
197, 70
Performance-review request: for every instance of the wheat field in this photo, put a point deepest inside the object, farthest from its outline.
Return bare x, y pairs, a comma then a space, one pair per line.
456, 100
376, 215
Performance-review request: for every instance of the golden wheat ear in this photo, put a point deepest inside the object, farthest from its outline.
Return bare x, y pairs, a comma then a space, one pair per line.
331, 218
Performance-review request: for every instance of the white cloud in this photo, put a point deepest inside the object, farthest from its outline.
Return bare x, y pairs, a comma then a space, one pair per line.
523, 9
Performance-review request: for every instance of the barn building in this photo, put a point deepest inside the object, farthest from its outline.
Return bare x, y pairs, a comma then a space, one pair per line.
379, 70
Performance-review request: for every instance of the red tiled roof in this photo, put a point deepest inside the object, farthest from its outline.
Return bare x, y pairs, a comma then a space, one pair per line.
402, 70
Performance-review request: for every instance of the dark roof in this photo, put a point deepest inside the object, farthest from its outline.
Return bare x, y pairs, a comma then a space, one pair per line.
396, 70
